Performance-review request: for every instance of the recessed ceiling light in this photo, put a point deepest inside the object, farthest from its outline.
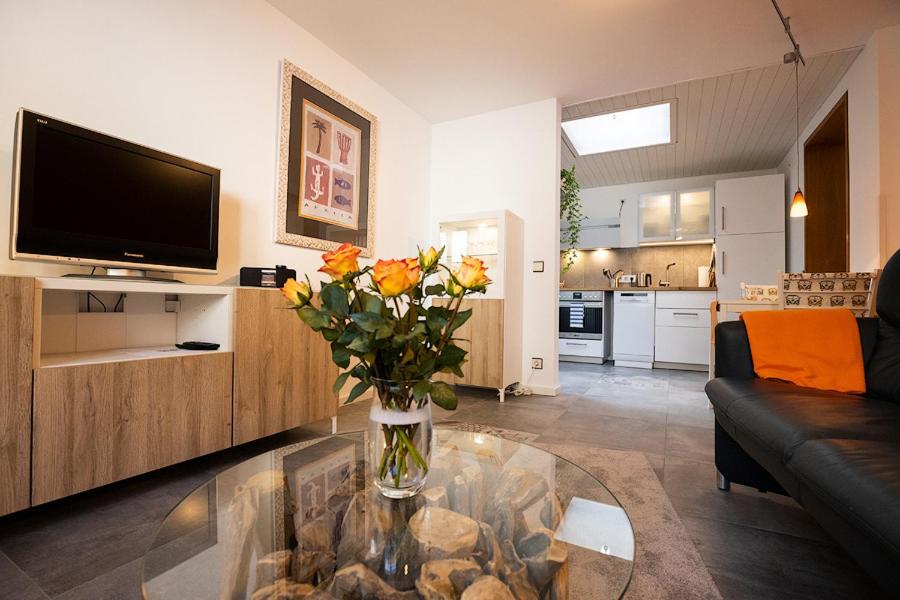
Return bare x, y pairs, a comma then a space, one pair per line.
621, 130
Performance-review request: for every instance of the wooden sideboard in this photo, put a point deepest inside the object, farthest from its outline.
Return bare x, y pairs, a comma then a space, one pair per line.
283, 369
482, 337
96, 424
90, 398
16, 342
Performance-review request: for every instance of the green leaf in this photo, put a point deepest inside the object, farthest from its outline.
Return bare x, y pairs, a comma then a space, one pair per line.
331, 335
460, 319
426, 367
384, 331
339, 382
357, 391
436, 318
335, 299
361, 344
435, 290
373, 304
368, 321
315, 318
340, 355
443, 395
451, 356
420, 389
348, 336
360, 372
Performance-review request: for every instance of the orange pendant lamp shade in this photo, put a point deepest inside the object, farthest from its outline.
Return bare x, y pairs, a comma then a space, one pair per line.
798, 205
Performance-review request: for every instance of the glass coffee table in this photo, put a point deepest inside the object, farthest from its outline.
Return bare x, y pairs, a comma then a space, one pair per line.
497, 519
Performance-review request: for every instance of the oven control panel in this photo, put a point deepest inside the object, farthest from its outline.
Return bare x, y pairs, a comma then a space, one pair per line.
581, 296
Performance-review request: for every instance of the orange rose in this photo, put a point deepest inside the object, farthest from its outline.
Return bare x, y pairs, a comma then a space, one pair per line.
341, 261
393, 277
472, 274
298, 293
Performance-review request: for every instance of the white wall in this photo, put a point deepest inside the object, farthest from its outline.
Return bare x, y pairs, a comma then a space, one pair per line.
604, 202
200, 79
861, 84
509, 159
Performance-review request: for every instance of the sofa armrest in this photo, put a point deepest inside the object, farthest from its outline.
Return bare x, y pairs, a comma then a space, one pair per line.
733, 357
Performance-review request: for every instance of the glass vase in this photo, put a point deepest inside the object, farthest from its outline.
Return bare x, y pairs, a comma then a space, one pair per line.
399, 442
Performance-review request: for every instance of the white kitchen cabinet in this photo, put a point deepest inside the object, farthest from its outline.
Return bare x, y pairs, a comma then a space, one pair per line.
694, 215
682, 328
676, 216
583, 348
750, 205
749, 258
684, 299
656, 217
682, 345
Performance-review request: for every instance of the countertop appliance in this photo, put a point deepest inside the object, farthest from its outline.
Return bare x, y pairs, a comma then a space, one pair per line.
633, 328
582, 326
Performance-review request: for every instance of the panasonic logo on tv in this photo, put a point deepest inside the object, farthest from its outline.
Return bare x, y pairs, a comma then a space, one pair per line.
132, 255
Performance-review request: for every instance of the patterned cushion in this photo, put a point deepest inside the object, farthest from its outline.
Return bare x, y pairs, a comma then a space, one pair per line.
828, 290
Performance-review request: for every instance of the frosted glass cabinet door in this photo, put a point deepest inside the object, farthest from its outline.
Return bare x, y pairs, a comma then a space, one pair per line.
694, 211
656, 213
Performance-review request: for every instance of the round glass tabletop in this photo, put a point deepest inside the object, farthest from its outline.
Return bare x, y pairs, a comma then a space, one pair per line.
497, 519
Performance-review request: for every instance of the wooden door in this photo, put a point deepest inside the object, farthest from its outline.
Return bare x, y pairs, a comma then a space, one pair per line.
16, 342
826, 179
750, 205
283, 369
95, 424
482, 337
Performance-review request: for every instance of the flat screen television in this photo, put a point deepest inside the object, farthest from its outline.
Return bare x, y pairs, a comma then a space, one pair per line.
83, 197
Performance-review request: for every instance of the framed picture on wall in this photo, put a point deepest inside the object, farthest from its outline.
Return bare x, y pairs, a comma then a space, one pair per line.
326, 167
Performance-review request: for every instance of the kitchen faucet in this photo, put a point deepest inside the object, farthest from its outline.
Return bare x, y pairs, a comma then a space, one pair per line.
666, 283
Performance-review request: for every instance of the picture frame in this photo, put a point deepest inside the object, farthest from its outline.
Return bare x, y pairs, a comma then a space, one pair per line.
326, 167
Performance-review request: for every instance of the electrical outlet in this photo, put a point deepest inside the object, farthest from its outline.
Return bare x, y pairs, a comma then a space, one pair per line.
537, 363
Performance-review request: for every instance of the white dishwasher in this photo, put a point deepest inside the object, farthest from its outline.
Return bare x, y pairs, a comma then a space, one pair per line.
633, 328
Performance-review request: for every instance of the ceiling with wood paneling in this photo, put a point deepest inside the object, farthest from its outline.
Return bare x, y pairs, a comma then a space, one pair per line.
742, 121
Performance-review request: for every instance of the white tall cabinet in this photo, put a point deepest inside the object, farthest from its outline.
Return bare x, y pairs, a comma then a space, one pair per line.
750, 248
493, 335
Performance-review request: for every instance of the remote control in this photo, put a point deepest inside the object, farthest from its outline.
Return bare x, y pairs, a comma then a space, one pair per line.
197, 346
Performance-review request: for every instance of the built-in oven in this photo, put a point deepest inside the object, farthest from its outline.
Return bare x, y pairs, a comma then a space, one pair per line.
581, 315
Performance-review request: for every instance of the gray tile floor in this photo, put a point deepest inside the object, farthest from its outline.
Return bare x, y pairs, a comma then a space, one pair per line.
755, 545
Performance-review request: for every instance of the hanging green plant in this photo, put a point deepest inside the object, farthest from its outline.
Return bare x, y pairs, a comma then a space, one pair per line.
569, 213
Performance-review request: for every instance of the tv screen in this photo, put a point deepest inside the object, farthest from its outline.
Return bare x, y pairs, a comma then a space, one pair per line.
91, 198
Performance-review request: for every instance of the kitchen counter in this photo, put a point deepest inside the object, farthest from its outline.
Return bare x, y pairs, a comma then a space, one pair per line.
652, 288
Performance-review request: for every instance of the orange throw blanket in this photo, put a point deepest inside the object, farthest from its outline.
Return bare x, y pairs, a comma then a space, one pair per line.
813, 348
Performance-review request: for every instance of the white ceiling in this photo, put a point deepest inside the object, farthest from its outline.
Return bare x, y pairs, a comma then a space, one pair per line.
449, 59
742, 121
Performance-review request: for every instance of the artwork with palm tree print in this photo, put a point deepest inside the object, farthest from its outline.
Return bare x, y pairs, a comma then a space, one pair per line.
326, 167
329, 192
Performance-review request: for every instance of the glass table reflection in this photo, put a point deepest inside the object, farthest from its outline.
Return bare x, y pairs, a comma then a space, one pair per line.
497, 519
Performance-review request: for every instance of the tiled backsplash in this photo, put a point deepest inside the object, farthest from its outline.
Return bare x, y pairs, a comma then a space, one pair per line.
587, 272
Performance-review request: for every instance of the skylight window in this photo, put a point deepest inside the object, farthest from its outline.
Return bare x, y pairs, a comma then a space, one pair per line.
621, 130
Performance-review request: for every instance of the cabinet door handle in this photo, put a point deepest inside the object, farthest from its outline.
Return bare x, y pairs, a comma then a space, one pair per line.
685, 314
723, 218
574, 344
723, 262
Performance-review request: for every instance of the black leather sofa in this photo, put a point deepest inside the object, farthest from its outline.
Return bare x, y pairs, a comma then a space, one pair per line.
837, 454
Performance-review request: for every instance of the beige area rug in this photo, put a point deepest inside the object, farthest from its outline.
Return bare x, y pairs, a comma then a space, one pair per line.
666, 565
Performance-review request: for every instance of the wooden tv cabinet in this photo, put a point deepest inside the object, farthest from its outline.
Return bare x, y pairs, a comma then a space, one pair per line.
89, 397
